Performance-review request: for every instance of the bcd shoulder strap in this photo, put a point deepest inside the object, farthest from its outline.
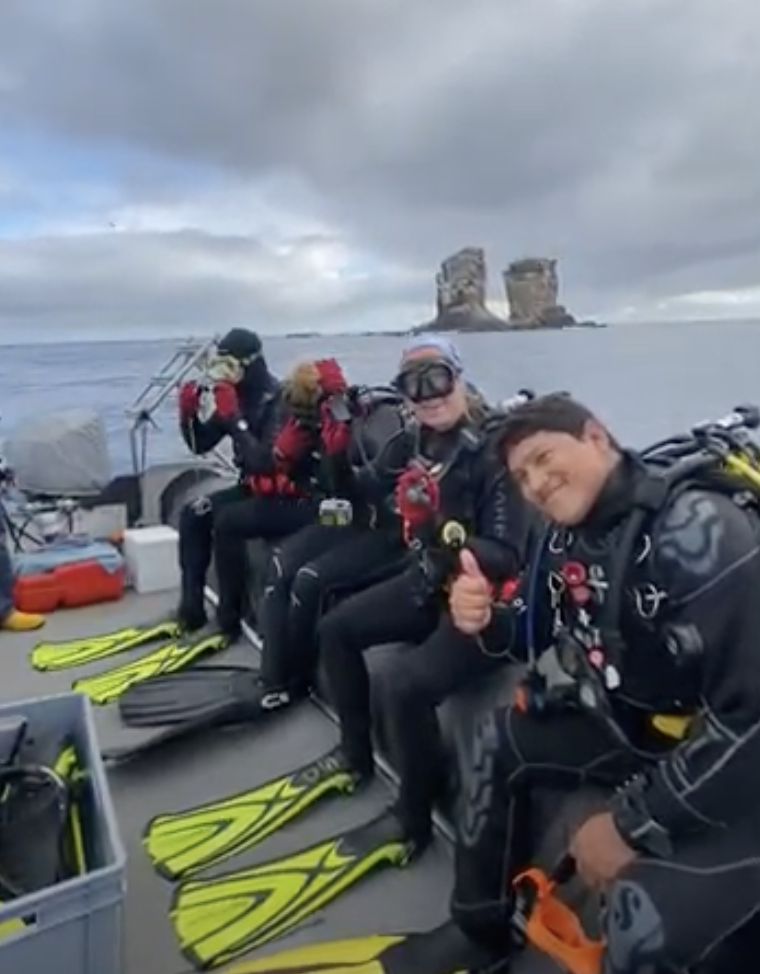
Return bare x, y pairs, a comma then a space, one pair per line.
659, 485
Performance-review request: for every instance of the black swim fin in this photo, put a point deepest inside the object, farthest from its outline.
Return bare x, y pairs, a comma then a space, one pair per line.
187, 703
444, 950
106, 687
218, 919
76, 652
207, 696
186, 842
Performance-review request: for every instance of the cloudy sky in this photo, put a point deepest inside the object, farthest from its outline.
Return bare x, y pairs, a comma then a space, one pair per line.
177, 166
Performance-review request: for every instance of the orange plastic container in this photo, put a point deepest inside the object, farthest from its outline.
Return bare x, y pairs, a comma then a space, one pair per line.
68, 587
37, 593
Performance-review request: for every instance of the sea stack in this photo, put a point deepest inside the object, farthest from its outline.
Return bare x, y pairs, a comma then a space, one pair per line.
532, 287
461, 295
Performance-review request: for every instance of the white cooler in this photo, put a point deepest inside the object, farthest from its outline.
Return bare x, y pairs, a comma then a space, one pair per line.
152, 558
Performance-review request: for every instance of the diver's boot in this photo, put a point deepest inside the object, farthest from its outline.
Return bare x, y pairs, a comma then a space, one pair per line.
17, 621
443, 950
415, 836
336, 762
191, 616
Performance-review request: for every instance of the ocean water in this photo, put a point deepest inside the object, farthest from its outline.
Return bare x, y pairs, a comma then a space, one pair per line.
646, 381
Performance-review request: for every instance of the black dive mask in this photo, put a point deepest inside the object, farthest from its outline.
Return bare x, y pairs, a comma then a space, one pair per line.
424, 380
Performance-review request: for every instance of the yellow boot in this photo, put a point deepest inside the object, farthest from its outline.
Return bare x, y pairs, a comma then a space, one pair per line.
17, 621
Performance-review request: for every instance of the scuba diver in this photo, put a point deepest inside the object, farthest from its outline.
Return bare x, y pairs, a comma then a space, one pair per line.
643, 594
325, 452
357, 539
451, 492
241, 399
11, 618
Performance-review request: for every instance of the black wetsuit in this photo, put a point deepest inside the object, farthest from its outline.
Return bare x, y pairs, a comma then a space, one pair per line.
324, 561
411, 608
690, 628
219, 524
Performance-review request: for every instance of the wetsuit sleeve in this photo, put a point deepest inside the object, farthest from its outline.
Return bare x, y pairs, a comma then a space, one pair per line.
255, 448
376, 479
202, 437
708, 553
502, 525
522, 615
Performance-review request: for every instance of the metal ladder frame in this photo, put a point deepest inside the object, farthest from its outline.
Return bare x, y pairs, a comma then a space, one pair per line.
188, 357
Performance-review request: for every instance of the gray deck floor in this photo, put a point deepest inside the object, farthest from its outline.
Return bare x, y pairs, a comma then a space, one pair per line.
216, 764
209, 767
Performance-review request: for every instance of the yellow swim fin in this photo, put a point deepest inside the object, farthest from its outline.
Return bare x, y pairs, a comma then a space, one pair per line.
186, 842
106, 687
443, 950
218, 919
359, 955
76, 652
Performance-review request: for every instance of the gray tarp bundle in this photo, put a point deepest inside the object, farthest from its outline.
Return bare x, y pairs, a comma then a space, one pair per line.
63, 455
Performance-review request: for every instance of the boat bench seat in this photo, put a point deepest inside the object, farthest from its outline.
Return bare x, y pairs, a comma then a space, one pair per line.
457, 715
557, 813
457, 718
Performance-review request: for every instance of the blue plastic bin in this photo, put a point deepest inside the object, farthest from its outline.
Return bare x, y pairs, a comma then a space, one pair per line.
76, 925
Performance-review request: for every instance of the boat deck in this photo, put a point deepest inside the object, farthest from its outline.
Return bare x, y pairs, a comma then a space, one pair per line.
214, 764
208, 767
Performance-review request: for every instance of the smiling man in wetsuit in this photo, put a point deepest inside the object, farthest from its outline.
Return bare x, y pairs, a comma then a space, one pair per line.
676, 848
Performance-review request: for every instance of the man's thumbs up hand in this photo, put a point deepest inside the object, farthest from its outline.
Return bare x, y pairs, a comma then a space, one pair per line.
468, 565
470, 596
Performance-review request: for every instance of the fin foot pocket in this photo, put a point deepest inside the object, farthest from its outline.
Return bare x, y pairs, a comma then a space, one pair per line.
443, 950
46, 657
106, 687
184, 843
203, 697
218, 919
359, 955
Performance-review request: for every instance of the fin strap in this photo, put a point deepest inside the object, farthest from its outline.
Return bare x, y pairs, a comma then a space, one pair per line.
553, 928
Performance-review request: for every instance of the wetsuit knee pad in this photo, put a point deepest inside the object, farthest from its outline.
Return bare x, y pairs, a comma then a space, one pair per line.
306, 584
193, 513
634, 932
275, 574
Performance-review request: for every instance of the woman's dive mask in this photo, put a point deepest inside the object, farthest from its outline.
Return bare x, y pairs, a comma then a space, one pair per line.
424, 379
223, 368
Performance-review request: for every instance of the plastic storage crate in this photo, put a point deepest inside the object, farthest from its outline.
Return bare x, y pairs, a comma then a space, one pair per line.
74, 927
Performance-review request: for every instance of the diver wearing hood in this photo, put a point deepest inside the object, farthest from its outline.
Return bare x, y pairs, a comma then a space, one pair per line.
345, 431
236, 397
451, 491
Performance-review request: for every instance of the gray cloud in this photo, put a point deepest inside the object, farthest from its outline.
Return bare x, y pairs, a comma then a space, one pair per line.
620, 137
175, 281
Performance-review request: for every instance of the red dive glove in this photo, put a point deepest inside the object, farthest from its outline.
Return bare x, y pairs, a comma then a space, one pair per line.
189, 400
226, 400
334, 434
331, 378
417, 496
292, 443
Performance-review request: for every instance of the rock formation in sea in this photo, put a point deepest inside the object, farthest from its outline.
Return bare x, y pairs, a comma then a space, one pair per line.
461, 295
532, 287
532, 291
